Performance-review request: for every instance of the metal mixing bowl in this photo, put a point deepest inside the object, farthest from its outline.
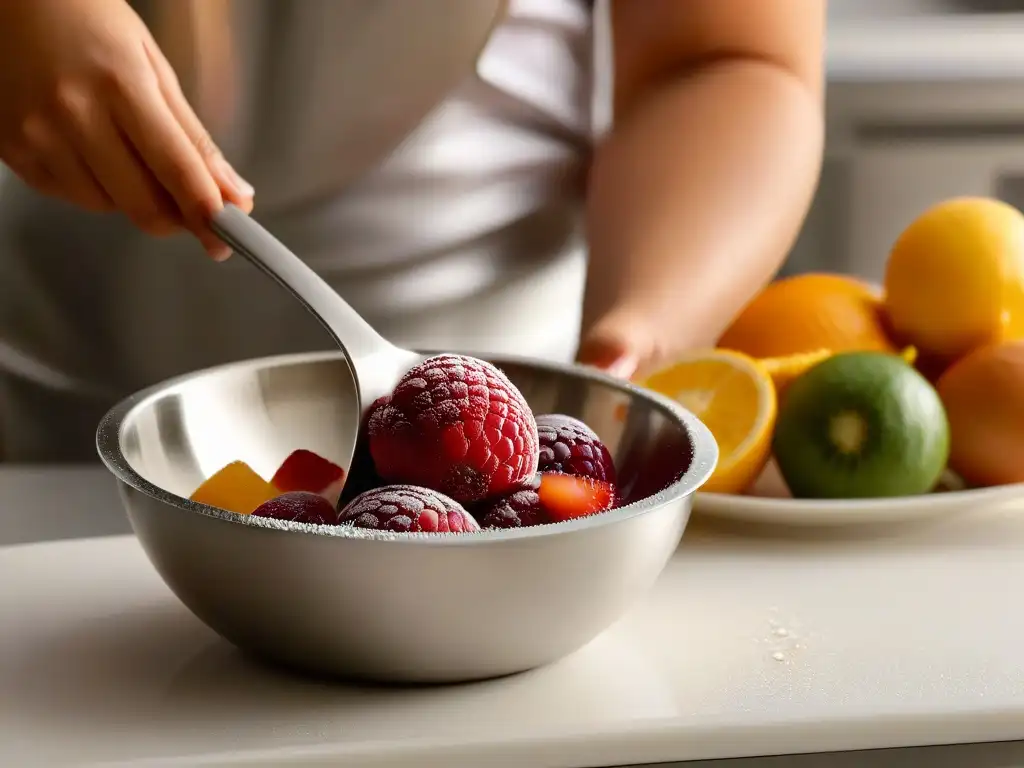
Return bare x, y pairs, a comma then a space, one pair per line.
394, 607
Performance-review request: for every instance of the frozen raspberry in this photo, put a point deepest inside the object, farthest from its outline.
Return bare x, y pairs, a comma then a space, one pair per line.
362, 474
299, 507
379, 403
570, 447
519, 509
407, 509
456, 424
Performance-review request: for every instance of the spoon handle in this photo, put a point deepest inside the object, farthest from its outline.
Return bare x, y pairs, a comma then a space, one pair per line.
268, 254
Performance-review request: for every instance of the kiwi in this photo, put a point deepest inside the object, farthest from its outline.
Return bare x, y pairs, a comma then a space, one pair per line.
861, 425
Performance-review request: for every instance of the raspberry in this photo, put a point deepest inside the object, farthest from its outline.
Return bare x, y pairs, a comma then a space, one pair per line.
458, 425
407, 509
362, 474
570, 447
299, 507
519, 509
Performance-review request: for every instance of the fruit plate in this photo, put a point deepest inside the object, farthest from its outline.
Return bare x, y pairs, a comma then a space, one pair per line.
846, 512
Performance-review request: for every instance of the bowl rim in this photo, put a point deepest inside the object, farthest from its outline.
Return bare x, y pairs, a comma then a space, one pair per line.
702, 463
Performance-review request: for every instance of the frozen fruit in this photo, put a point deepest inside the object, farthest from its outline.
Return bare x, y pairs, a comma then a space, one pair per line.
307, 471
407, 509
236, 488
570, 447
299, 507
519, 509
456, 424
565, 497
362, 474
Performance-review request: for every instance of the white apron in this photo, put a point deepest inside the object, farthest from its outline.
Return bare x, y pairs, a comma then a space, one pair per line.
435, 187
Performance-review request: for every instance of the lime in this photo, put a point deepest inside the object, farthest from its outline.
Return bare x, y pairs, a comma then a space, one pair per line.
861, 425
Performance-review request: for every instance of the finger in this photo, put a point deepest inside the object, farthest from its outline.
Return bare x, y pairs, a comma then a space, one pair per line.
65, 168
609, 354
174, 160
26, 167
236, 189
124, 176
114, 164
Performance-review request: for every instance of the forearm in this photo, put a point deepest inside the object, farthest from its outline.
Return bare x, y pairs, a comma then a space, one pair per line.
696, 197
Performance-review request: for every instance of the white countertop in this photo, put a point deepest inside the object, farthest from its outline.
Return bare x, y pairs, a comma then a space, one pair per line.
747, 646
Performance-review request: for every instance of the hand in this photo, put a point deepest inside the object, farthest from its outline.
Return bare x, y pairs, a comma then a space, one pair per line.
620, 344
93, 113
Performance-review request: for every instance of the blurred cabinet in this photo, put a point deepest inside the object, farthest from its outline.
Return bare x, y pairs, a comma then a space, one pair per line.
891, 184
893, 152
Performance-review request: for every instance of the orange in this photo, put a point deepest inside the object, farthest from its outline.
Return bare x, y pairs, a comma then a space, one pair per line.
734, 396
785, 370
984, 398
807, 313
955, 278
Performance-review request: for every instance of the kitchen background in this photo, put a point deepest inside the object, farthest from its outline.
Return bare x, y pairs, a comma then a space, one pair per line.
925, 101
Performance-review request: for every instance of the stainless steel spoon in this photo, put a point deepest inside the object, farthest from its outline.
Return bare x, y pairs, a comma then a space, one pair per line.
377, 363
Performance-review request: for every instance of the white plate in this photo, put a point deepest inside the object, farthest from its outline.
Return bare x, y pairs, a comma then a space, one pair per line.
843, 512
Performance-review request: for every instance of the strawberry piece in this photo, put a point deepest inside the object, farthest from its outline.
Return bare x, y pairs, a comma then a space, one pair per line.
307, 471
566, 497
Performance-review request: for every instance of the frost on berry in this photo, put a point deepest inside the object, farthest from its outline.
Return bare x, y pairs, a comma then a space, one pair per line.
458, 425
570, 447
407, 509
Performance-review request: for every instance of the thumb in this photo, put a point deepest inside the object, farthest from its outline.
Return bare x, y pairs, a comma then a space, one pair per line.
623, 343
609, 352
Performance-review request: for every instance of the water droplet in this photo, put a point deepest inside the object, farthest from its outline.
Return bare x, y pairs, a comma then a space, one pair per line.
781, 632
779, 656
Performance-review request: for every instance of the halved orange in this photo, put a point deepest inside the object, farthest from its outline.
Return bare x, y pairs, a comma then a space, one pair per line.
785, 370
734, 396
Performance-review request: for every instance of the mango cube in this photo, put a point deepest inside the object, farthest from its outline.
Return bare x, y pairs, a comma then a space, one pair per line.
236, 488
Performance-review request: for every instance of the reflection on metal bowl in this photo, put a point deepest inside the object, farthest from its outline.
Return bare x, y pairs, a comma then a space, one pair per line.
395, 607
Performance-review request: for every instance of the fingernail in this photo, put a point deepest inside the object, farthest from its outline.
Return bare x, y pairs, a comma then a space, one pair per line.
623, 368
230, 176
216, 248
610, 358
219, 252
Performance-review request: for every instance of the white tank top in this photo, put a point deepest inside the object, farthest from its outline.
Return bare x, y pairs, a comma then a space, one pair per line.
465, 237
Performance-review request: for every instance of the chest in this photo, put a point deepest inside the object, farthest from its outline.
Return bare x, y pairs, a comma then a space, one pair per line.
307, 97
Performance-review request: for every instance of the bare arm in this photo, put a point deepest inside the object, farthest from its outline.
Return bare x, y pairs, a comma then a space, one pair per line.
699, 191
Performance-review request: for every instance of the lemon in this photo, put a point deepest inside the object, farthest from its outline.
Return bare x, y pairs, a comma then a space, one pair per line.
955, 278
